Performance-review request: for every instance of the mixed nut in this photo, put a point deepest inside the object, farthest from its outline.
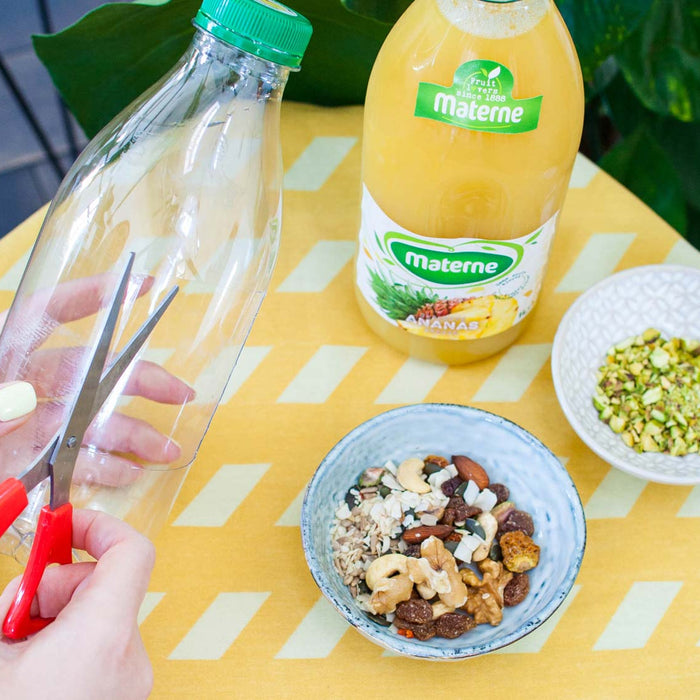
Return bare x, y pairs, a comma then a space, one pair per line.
648, 392
432, 548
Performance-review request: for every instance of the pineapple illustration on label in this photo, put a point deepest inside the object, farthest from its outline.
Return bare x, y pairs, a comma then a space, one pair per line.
456, 289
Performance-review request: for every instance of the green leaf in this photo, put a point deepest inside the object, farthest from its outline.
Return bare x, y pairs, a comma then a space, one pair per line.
661, 61
337, 64
382, 10
108, 58
598, 27
680, 140
693, 236
642, 165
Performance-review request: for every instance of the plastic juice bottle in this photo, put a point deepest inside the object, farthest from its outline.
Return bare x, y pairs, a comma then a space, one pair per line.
188, 178
473, 117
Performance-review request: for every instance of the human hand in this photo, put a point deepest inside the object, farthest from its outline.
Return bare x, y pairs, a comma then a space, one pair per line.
53, 371
93, 649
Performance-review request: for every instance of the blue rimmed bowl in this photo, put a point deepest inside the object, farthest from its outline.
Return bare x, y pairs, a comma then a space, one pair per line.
538, 484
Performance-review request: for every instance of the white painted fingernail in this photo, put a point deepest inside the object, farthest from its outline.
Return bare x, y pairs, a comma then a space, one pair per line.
17, 399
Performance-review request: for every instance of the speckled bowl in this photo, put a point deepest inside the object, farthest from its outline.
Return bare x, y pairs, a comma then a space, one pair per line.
666, 297
538, 484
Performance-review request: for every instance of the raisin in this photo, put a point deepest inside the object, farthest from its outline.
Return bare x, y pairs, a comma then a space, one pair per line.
518, 520
516, 590
448, 487
457, 511
415, 610
413, 550
423, 632
453, 625
502, 492
448, 517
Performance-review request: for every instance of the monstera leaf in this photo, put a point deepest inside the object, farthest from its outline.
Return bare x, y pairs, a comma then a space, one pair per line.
661, 62
108, 58
659, 186
599, 27
382, 10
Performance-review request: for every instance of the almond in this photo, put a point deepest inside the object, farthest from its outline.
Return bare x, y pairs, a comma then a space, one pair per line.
417, 534
468, 469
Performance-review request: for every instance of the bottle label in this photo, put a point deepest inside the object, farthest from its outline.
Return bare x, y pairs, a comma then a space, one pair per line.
479, 99
449, 289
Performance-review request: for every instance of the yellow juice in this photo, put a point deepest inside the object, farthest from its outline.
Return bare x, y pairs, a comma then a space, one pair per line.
473, 117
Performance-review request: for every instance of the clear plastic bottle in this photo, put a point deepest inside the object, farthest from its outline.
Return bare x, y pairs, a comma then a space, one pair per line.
188, 177
473, 118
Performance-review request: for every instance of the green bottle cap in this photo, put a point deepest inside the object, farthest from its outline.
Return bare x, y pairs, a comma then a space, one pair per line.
265, 28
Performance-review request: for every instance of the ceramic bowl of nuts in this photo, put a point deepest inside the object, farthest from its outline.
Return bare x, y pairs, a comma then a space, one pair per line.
626, 370
442, 531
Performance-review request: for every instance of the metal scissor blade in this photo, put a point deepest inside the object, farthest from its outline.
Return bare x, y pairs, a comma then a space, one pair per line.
118, 367
62, 460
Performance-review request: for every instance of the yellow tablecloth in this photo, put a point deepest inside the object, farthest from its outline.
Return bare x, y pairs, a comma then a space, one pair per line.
232, 610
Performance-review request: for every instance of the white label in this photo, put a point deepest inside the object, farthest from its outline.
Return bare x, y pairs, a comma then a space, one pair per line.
451, 289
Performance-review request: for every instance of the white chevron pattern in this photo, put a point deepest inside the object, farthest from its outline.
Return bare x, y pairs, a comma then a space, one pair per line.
219, 626
683, 253
533, 642
691, 507
319, 267
412, 383
292, 516
10, 280
322, 374
598, 259
317, 634
584, 171
638, 615
149, 604
318, 162
615, 495
514, 373
249, 359
224, 492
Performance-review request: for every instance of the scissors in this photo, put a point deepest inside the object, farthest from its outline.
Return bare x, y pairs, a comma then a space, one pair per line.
54, 532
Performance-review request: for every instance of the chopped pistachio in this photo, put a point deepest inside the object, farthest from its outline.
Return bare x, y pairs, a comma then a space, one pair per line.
659, 358
648, 391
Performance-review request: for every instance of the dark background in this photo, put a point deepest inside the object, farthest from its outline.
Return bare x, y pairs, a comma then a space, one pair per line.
27, 178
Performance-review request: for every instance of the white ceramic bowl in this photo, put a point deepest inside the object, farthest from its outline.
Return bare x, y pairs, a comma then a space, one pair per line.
538, 484
666, 297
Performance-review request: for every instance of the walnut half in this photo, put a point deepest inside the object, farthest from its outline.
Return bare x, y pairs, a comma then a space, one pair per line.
485, 595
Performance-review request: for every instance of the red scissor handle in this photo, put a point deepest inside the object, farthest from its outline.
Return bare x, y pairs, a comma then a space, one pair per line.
52, 545
13, 500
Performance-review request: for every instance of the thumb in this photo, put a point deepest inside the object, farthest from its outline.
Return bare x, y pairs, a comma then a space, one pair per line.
17, 403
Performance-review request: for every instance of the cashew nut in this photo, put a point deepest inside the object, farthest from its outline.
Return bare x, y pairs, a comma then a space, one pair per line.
388, 579
384, 567
410, 475
438, 569
439, 609
389, 593
490, 525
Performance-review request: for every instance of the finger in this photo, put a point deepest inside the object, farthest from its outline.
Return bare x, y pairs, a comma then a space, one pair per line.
58, 586
55, 589
52, 372
8, 596
79, 298
113, 593
151, 381
17, 403
103, 469
120, 433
